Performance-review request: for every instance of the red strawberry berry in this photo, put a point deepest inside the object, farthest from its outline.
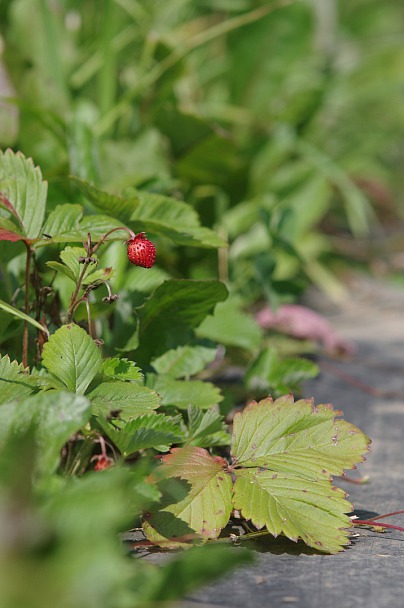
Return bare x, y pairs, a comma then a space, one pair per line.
141, 251
103, 462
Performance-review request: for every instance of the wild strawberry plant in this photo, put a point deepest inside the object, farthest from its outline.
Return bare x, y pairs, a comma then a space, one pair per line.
91, 413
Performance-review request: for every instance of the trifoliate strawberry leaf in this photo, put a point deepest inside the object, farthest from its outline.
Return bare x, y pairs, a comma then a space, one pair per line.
313, 510
196, 498
148, 431
128, 399
284, 454
297, 438
72, 357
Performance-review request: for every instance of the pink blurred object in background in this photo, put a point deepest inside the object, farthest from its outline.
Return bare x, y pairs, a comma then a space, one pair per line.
306, 324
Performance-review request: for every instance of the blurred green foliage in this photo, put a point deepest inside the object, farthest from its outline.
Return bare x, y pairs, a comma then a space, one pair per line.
270, 118
272, 125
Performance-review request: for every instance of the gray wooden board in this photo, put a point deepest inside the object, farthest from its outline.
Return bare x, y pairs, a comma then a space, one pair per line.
370, 573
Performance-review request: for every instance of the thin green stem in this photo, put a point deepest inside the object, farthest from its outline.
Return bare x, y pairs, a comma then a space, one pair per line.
75, 294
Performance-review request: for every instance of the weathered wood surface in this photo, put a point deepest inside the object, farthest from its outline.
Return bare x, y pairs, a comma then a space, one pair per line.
369, 388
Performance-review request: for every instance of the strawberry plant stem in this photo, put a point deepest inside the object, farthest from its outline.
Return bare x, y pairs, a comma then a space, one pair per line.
26, 306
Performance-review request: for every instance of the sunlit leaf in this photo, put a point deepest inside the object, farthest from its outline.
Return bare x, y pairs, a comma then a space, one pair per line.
297, 438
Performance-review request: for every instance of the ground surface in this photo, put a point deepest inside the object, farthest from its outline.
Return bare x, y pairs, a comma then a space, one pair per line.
369, 387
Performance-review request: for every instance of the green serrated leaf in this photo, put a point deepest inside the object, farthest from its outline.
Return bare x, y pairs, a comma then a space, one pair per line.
313, 510
21, 315
196, 498
110, 203
72, 357
56, 415
122, 369
296, 437
15, 381
21, 183
143, 432
184, 361
169, 316
183, 393
63, 219
127, 398
174, 219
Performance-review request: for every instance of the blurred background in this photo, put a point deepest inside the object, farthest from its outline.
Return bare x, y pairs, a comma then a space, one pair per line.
280, 122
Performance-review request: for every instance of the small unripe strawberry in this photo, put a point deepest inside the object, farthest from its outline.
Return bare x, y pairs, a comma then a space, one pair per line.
141, 251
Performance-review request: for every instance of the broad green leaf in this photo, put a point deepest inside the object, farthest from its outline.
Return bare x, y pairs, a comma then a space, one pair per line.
96, 225
231, 326
153, 213
148, 431
72, 357
15, 381
196, 498
126, 397
118, 206
206, 429
64, 218
172, 218
169, 316
21, 315
184, 361
311, 509
122, 369
56, 415
298, 438
21, 182
183, 393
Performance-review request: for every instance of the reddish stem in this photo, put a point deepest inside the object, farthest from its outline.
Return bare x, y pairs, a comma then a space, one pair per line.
372, 522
